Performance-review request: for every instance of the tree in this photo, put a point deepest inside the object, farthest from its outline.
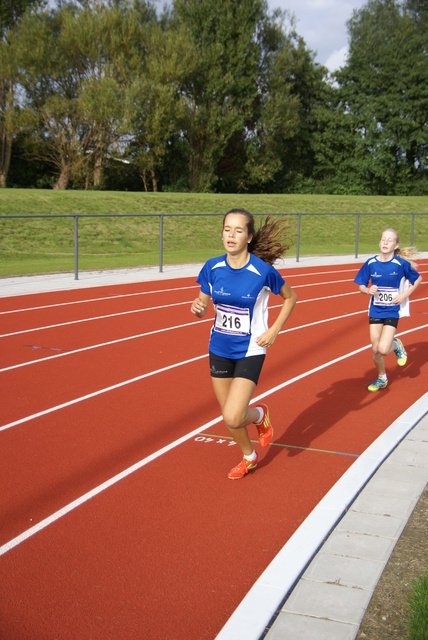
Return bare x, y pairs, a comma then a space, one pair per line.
274, 114
101, 46
11, 12
295, 89
222, 87
51, 89
418, 10
75, 67
384, 87
156, 99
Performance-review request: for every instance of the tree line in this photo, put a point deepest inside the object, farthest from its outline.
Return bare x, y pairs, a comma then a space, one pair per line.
210, 96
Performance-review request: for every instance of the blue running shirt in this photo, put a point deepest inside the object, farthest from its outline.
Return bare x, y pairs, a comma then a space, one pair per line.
240, 298
390, 277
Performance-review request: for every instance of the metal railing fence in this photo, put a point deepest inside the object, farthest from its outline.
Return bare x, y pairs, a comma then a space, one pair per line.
162, 216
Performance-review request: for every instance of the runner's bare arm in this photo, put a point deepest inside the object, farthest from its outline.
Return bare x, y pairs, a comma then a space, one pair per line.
290, 297
200, 305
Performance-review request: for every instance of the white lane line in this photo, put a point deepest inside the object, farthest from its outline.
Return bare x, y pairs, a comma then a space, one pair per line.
120, 476
115, 479
104, 344
104, 317
316, 273
101, 299
176, 304
94, 394
157, 291
97, 490
188, 324
124, 313
149, 333
313, 324
142, 293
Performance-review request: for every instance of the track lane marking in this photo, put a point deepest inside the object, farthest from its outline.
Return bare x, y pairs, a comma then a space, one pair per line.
102, 299
157, 291
181, 326
82, 320
146, 293
25, 535
149, 333
105, 344
94, 394
118, 314
175, 304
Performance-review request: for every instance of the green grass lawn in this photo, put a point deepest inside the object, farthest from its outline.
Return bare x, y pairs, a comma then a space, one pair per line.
417, 618
45, 245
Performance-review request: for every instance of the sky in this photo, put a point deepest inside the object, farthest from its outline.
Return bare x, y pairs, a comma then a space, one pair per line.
322, 25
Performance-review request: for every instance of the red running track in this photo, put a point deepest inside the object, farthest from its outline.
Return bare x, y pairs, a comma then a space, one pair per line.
117, 517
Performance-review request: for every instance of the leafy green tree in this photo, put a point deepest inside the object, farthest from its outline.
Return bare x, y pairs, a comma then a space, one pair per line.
156, 100
418, 10
384, 87
301, 92
332, 143
275, 113
249, 96
51, 89
75, 65
222, 87
101, 46
11, 121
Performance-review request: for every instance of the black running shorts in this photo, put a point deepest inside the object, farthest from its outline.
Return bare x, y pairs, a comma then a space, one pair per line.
249, 368
391, 322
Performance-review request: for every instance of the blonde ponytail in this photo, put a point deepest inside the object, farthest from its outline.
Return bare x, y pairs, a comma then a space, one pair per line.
407, 253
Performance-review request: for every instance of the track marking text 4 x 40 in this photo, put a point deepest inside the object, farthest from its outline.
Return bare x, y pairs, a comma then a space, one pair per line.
208, 438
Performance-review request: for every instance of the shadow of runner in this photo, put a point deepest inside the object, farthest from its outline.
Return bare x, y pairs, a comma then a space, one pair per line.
334, 403
340, 399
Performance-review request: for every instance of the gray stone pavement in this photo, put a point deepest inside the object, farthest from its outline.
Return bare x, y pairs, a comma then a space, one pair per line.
319, 585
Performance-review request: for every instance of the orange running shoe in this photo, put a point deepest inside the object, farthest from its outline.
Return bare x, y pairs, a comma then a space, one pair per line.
264, 427
242, 469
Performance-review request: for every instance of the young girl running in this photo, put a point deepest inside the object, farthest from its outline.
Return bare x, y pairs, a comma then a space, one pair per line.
393, 278
239, 284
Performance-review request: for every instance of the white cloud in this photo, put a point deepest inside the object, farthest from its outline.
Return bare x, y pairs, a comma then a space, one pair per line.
322, 24
336, 59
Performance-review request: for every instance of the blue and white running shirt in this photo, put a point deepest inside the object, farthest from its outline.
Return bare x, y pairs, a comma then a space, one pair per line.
390, 278
240, 298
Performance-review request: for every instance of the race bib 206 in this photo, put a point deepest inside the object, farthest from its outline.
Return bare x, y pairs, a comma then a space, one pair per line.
384, 296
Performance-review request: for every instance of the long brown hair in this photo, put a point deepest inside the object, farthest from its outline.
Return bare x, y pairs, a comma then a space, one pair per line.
408, 253
270, 241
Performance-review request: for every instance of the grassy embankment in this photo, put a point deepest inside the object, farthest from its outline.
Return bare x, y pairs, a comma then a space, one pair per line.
417, 618
45, 245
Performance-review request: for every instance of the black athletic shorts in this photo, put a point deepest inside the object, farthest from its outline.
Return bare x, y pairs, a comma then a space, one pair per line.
391, 322
249, 368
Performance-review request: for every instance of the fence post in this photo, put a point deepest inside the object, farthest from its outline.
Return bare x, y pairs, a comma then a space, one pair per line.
299, 215
412, 235
76, 247
161, 243
357, 234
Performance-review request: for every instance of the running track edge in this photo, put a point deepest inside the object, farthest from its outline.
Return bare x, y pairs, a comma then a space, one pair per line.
261, 604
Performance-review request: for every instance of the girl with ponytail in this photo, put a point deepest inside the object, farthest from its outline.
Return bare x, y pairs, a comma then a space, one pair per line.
239, 283
389, 279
